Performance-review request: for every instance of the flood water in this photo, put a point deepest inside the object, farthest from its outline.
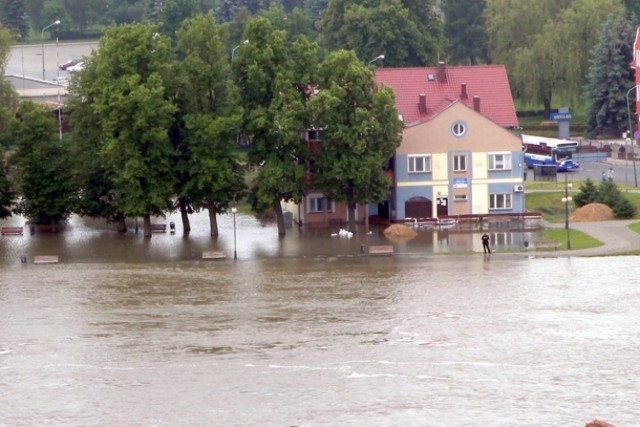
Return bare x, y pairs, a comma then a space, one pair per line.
327, 339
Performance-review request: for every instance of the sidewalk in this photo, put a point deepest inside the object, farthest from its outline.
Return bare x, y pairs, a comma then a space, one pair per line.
614, 234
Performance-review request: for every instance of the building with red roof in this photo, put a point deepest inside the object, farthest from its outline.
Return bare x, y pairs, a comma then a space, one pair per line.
459, 155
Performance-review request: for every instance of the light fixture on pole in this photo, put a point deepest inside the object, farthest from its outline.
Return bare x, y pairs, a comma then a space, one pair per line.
566, 200
377, 58
234, 210
233, 51
42, 42
632, 135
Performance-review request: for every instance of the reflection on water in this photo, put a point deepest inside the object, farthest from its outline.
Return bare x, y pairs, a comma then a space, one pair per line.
322, 341
86, 240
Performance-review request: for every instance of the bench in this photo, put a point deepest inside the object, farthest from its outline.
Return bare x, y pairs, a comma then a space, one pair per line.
46, 259
158, 228
381, 250
15, 231
212, 255
546, 245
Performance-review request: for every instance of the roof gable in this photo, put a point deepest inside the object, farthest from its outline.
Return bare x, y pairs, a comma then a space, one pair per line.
421, 92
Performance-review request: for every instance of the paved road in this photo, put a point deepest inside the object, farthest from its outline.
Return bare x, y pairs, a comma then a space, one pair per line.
27, 60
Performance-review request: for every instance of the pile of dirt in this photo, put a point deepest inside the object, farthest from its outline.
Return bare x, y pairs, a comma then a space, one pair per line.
399, 231
592, 212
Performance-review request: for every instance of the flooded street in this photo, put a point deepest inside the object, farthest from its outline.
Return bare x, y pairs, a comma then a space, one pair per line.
278, 339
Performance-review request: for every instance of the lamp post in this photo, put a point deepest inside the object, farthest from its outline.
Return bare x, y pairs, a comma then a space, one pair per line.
631, 135
234, 210
377, 58
233, 51
566, 200
42, 42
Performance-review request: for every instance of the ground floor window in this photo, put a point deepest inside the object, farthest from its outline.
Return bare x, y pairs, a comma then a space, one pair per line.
317, 202
500, 201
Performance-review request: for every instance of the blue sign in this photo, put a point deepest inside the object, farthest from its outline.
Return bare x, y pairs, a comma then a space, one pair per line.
560, 117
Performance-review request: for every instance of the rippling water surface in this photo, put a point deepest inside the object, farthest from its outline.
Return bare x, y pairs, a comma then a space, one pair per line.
347, 341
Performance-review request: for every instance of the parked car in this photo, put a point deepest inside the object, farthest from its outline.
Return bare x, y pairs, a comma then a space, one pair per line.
78, 67
69, 63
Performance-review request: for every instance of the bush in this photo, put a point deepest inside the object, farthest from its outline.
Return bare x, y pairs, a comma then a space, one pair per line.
606, 193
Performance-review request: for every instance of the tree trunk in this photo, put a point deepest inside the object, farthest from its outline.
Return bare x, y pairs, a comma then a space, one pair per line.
213, 219
147, 225
53, 226
546, 102
122, 224
352, 216
186, 225
277, 207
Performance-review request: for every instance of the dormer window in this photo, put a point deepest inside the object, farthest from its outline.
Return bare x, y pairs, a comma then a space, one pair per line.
431, 77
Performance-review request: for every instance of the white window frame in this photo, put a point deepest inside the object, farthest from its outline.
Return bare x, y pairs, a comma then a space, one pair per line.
459, 163
412, 163
315, 204
500, 201
500, 165
458, 128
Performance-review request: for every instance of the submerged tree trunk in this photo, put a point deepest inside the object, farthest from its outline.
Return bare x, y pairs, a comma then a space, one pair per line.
352, 216
277, 207
147, 225
213, 219
184, 214
54, 229
122, 224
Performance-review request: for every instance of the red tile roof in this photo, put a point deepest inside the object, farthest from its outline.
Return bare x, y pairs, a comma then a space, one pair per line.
487, 82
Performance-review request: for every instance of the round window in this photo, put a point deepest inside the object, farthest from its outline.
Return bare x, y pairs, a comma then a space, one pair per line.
458, 129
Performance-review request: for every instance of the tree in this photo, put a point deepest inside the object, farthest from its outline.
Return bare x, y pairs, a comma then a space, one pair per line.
7, 196
464, 29
44, 179
407, 32
209, 173
588, 193
610, 78
525, 35
174, 12
125, 84
272, 76
361, 132
12, 14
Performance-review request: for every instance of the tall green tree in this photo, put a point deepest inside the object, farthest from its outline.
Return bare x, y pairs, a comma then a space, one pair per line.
44, 168
272, 76
464, 29
125, 84
174, 12
8, 96
7, 195
610, 78
407, 32
361, 132
12, 17
544, 44
209, 172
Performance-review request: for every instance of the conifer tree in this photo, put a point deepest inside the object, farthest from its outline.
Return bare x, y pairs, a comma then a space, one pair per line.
610, 78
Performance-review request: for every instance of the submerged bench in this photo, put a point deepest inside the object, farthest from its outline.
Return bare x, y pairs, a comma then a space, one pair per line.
546, 245
158, 228
46, 259
213, 255
381, 250
15, 231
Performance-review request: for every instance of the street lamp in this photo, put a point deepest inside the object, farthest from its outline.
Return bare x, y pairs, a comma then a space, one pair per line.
631, 135
233, 51
42, 44
234, 210
377, 58
566, 200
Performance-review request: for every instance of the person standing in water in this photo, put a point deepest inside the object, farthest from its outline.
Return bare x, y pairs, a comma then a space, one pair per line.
485, 243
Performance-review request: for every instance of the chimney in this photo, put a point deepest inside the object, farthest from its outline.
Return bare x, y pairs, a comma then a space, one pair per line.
463, 91
476, 103
422, 103
442, 72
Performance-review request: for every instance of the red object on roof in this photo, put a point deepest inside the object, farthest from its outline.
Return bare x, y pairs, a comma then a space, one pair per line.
422, 92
